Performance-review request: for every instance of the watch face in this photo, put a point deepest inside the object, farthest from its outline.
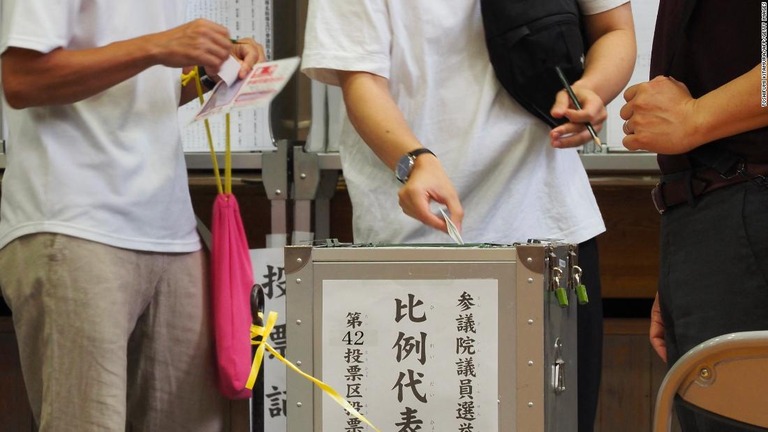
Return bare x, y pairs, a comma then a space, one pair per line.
403, 168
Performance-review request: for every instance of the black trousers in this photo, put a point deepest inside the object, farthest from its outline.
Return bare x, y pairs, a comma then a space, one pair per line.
714, 276
590, 337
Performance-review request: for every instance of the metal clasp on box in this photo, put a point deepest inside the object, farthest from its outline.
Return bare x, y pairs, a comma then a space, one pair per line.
558, 368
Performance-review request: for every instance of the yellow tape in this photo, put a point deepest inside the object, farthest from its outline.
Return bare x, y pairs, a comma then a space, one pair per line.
262, 345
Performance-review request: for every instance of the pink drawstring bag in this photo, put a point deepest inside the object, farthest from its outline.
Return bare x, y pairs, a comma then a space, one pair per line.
231, 283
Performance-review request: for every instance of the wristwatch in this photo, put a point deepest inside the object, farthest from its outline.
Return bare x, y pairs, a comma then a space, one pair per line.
207, 82
405, 164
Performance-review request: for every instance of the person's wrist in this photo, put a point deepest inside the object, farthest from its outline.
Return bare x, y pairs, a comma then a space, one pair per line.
407, 162
699, 125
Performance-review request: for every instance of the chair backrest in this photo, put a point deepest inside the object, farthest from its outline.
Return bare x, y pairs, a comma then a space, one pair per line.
726, 375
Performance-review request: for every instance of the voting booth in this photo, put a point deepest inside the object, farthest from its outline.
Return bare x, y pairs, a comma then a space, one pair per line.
447, 338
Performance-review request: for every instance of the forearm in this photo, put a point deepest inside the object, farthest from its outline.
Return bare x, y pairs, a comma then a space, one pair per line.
376, 116
607, 69
611, 58
381, 124
729, 110
63, 76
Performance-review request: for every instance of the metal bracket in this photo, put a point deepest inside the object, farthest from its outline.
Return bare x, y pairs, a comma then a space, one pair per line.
313, 181
274, 175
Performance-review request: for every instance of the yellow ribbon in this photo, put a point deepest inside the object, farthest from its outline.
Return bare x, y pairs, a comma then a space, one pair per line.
262, 345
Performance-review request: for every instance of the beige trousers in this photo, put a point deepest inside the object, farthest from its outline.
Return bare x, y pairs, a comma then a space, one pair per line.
112, 339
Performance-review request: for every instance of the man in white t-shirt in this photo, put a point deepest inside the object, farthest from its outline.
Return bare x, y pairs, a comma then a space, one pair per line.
100, 261
415, 75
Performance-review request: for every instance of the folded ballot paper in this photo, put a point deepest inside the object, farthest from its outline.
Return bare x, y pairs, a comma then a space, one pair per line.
258, 89
452, 230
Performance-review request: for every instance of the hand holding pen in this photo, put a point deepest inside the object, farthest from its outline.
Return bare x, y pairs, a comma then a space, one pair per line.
566, 135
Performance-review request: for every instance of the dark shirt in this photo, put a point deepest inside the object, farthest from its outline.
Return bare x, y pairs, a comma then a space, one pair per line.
719, 42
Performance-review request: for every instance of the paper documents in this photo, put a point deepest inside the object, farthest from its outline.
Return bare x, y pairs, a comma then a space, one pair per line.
264, 82
452, 230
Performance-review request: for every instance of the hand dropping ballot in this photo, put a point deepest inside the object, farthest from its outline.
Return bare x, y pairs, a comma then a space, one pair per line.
258, 89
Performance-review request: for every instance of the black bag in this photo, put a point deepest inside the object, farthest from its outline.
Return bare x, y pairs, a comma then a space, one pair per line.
526, 39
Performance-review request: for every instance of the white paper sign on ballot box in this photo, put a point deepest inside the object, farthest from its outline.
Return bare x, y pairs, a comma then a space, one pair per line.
398, 336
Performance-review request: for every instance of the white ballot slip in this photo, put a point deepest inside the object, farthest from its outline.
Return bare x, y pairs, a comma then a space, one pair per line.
452, 230
258, 89
229, 71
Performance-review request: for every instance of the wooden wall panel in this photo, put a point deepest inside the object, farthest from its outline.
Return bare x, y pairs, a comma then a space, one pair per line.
632, 374
629, 249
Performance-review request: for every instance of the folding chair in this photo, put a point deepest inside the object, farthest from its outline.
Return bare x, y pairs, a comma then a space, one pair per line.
726, 375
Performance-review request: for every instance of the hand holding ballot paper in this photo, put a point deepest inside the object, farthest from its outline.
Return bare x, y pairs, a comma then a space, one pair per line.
258, 89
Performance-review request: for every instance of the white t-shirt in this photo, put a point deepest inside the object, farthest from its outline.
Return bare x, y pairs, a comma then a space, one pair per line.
109, 168
512, 184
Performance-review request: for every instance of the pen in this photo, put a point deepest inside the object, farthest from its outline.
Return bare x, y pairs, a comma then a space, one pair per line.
575, 101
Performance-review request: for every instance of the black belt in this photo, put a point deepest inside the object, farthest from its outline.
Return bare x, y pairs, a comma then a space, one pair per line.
686, 186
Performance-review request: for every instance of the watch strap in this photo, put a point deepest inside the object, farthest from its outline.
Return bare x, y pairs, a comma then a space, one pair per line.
420, 151
406, 162
206, 79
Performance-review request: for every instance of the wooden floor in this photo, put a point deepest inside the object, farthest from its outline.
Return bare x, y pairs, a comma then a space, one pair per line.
631, 376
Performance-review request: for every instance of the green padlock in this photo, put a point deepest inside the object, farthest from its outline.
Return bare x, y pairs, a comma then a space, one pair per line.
581, 290
562, 296
581, 294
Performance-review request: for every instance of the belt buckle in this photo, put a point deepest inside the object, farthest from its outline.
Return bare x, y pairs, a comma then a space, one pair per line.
739, 169
658, 198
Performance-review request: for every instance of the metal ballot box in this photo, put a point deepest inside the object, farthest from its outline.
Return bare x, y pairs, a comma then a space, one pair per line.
436, 338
